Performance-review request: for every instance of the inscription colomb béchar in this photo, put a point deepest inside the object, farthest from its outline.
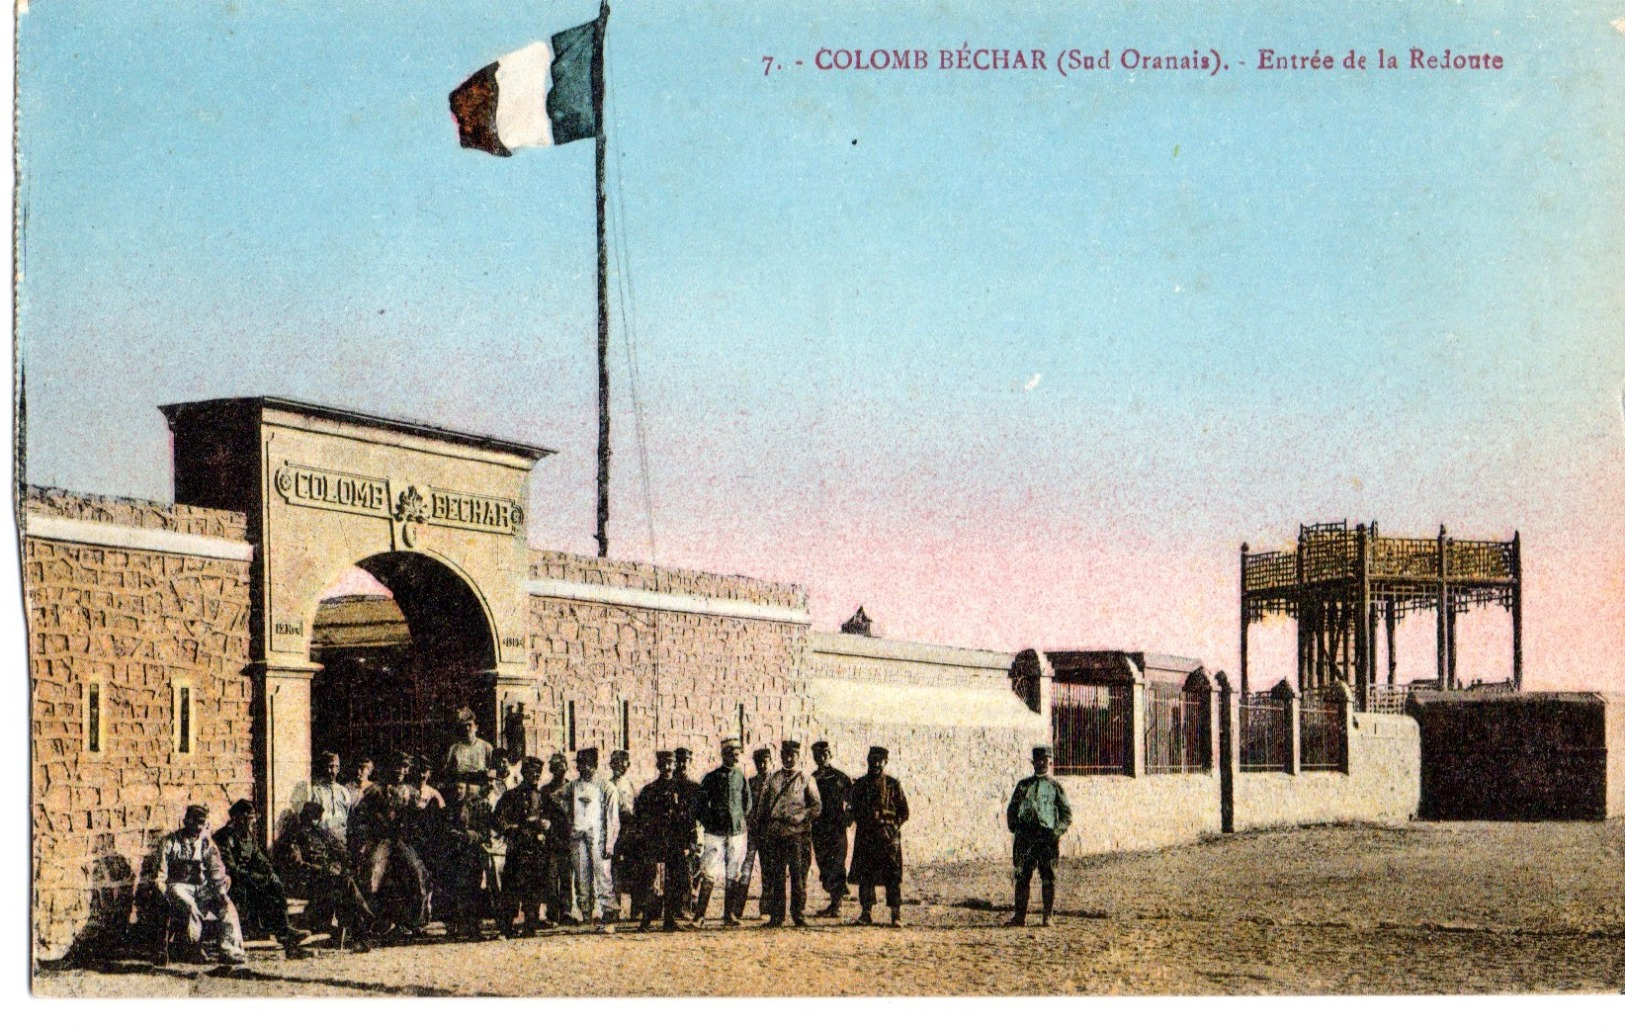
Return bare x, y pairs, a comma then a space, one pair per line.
370, 496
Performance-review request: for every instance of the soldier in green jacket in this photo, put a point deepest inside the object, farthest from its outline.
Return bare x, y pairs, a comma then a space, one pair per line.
1038, 815
256, 889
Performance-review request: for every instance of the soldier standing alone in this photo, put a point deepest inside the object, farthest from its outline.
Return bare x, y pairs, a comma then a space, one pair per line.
879, 809
1038, 815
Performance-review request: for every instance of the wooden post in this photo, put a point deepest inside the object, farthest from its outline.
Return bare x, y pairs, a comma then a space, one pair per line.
1345, 706
1392, 616
1440, 644
1229, 754
1364, 616
1244, 617
1450, 644
1306, 619
1136, 766
1284, 694
1517, 613
1345, 643
599, 28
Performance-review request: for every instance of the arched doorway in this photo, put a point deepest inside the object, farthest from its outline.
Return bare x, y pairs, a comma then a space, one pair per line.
399, 657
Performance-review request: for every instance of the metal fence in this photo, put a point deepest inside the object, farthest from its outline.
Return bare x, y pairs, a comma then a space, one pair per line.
1387, 700
1177, 739
1323, 739
1266, 736
1093, 728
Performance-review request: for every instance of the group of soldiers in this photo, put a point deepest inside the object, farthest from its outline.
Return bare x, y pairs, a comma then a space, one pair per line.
380, 858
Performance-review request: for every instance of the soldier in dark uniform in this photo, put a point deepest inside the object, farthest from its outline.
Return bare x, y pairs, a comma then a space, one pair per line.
525, 817
628, 863
763, 757
256, 889
879, 810
690, 787
665, 812
316, 866
561, 876
457, 851
829, 829
1038, 815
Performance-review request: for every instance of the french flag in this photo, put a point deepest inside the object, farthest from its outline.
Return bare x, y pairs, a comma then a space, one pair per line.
537, 96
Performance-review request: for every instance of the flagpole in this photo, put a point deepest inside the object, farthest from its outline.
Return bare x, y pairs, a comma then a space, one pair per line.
603, 282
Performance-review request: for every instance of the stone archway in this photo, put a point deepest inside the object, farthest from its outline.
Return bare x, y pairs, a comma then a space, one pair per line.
436, 515
397, 666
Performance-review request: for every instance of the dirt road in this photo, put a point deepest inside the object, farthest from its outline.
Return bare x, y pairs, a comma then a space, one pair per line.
1429, 908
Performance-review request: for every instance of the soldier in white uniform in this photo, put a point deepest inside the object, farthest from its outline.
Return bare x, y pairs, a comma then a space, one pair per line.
192, 878
324, 789
595, 823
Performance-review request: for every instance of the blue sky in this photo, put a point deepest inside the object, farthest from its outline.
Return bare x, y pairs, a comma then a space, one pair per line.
1010, 358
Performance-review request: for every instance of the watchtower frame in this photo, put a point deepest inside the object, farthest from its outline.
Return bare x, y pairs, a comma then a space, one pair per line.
1343, 586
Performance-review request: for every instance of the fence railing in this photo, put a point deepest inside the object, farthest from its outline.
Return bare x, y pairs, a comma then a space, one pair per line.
1177, 732
1093, 728
1323, 742
1266, 735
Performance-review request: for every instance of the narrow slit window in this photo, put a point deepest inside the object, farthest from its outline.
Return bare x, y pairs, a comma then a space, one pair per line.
183, 720
626, 726
570, 725
93, 716
741, 734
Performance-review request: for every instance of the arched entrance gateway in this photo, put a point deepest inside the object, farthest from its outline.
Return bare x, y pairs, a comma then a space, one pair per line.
435, 517
395, 660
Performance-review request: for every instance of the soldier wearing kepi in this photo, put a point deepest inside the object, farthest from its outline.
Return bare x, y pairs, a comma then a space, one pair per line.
879, 810
525, 817
193, 880
316, 865
763, 757
1038, 815
690, 789
256, 889
560, 874
625, 867
724, 809
784, 821
594, 825
829, 829
666, 820
469, 759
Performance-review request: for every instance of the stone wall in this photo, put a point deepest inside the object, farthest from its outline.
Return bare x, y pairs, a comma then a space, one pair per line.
141, 513
958, 735
137, 621
1120, 813
1383, 783
685, 669
565, 566
140, 596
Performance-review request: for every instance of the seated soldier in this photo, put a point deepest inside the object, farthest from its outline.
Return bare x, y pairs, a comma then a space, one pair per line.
316, 866
193, 880
256, 889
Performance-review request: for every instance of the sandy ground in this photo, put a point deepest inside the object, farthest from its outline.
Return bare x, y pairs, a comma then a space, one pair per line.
1429, 908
